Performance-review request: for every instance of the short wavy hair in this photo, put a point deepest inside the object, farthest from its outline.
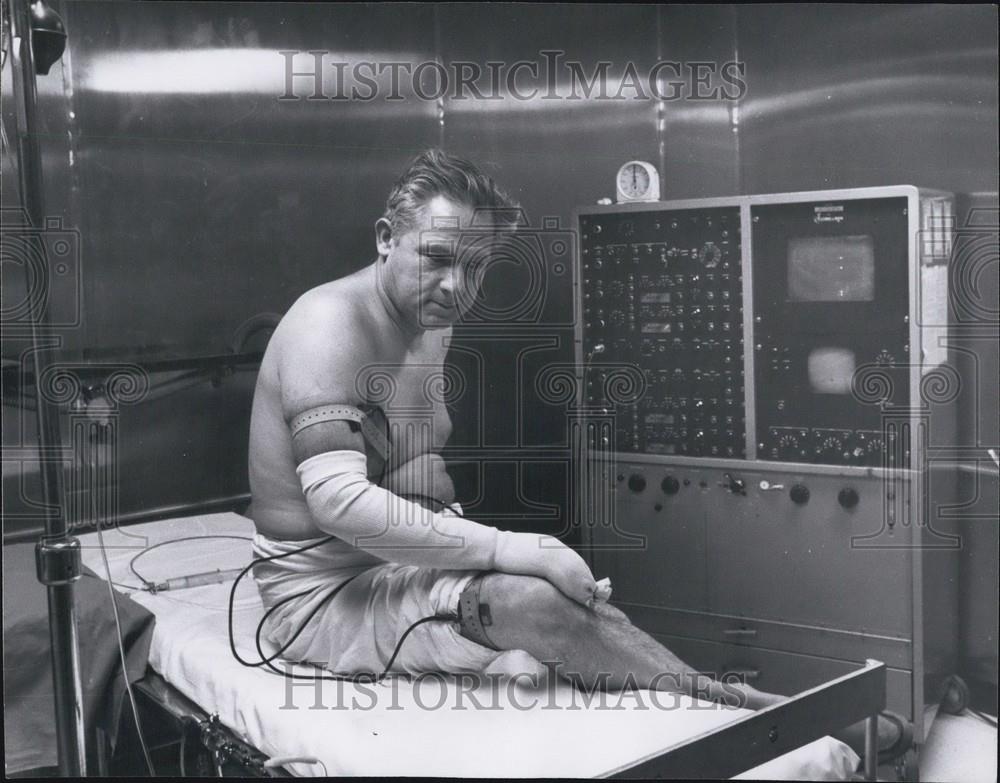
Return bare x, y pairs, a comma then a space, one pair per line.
435, 172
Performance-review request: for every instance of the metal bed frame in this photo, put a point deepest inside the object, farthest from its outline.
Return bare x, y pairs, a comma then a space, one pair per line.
717, 754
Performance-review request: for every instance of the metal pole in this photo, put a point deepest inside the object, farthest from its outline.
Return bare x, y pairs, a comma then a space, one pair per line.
871, 748
57, 553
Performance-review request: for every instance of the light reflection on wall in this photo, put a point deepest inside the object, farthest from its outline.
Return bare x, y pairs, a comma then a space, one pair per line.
206, 71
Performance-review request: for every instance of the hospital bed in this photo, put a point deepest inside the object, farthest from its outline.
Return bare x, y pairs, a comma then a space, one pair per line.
436, 725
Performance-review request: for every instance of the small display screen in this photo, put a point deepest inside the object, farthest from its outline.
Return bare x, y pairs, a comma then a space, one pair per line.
831, 370
831, 269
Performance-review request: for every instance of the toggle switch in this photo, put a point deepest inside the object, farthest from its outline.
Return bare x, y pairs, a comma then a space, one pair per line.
735, 485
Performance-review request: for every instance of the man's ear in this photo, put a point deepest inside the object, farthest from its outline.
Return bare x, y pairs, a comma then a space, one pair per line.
383, 237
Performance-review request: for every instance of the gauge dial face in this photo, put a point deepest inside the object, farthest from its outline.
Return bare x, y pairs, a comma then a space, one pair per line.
710, 255
875, 446
789, 443
633, 180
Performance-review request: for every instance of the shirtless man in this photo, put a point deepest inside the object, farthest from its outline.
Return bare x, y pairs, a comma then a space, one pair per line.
503, 600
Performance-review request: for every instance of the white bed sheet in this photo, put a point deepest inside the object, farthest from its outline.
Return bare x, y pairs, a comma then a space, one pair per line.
396, 728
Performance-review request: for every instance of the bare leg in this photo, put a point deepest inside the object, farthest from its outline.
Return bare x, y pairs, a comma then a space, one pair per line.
601, 648
597, 647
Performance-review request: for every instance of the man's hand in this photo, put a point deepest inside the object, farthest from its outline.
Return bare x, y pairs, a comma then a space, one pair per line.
544, 556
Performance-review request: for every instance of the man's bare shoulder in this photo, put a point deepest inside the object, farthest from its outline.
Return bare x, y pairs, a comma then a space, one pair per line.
343, 305
325, 338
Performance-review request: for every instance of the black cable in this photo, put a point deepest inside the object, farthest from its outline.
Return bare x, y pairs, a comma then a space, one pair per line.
429, 499
267, 661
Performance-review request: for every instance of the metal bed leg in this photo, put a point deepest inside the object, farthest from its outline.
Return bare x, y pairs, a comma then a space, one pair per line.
103, 746
871, 748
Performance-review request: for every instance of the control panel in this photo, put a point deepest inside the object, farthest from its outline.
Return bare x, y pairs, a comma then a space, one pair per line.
663, 293
822, 358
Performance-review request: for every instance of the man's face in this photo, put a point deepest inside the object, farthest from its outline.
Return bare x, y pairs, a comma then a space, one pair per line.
427, 272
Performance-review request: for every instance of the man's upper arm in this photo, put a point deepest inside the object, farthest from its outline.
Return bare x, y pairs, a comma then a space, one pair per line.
318, 367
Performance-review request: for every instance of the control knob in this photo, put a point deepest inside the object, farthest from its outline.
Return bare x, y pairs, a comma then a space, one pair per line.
848, 497
799, 493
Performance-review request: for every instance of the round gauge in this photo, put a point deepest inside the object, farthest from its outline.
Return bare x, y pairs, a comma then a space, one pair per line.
788, 444
885, 359
710, 255
831, 447
638, 181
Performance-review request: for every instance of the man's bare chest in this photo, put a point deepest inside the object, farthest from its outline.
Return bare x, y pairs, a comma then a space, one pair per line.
412, 392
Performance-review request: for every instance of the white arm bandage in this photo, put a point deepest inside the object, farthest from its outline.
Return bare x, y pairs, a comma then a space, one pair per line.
346, 504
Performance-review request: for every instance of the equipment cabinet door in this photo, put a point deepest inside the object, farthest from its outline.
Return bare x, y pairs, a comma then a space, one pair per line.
809, 563
669, 568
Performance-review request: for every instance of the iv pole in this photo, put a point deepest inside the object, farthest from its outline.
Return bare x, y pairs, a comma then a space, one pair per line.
57, 554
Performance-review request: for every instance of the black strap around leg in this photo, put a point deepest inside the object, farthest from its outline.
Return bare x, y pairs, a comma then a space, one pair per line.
473, 615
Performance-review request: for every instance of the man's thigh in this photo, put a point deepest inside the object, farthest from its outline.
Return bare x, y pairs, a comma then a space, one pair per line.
392, 602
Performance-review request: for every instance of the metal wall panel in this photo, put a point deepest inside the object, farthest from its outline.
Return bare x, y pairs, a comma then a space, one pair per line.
698, 138
202, 186
200, 201
855, 95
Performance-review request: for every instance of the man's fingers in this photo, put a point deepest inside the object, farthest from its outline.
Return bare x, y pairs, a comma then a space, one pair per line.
581, 591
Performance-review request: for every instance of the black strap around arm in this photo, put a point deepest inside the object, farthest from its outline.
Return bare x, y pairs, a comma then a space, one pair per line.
373, 435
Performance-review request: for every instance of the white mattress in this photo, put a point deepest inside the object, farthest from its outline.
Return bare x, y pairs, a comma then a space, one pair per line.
396, 728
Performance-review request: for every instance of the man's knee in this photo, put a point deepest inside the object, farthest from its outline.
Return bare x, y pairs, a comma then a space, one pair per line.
527, 606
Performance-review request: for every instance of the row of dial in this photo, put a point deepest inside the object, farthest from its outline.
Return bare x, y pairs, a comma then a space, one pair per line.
849, 447
798, 493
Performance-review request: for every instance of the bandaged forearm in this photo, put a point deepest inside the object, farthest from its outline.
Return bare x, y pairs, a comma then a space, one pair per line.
344, 503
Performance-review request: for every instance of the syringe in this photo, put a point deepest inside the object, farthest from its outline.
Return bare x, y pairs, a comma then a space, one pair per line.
196, 580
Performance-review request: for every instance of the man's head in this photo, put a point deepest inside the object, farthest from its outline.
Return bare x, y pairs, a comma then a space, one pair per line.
428, 256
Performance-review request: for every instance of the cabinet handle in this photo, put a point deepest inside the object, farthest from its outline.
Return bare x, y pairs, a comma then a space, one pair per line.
748, 633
